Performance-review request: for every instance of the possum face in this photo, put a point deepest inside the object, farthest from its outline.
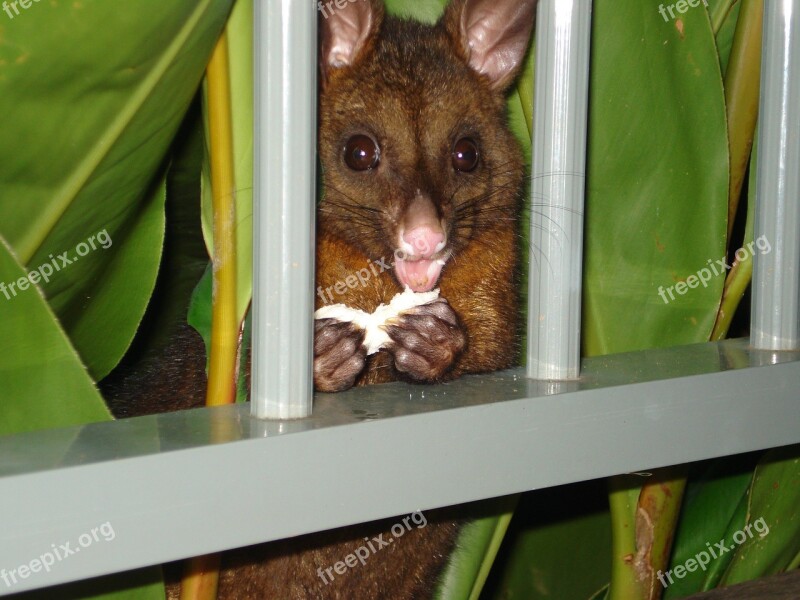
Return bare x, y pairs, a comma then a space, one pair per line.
416, 153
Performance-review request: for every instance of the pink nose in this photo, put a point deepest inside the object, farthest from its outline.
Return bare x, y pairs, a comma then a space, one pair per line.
425, 241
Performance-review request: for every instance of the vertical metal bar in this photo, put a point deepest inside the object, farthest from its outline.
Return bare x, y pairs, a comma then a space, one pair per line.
285, 41
563, 33
776, 272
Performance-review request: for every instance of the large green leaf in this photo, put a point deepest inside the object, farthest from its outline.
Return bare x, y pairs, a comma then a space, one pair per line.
43, 382
657, 179
656, 208
90, 108
712, 509
478, 543
558, 547
129, 273
770, 541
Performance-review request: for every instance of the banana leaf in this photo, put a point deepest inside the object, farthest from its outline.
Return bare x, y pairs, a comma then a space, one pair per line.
91, 108
769, 542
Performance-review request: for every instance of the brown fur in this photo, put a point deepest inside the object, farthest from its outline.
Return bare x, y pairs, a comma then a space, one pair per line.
287, 570
409, 92
411, 88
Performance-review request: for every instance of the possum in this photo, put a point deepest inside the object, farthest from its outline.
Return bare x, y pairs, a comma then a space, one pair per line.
422, 191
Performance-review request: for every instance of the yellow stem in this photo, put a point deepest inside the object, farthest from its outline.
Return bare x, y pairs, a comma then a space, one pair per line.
224, 325
201, 575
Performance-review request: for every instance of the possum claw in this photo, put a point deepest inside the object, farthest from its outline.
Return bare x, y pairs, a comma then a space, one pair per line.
426, 340
339, 354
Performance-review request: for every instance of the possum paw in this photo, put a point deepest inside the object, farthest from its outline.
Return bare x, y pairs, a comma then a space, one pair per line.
339, 354
426, 340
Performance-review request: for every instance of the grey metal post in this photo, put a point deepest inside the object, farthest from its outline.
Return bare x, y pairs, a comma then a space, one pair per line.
776, 259
284, 203
563, 33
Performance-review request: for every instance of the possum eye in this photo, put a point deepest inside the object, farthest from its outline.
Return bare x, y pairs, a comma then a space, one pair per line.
465, 155
362, 153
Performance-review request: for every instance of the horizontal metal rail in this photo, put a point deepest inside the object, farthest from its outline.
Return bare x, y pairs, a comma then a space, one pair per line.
156, 479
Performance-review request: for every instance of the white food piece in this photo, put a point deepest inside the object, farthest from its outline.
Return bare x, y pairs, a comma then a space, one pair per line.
376, 338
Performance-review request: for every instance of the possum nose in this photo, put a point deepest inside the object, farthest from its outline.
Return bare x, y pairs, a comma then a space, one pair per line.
425, 241
422, 235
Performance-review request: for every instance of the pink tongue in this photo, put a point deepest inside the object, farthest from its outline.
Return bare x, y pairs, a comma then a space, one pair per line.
419, 275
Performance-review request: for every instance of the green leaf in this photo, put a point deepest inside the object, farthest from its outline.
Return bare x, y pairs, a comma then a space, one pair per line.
97, 101
726, 30
475, 550
119, 292
199, 315
713, 507
426, 11
600, 594
770, 540
43, 382
558, 545
657, 192
184, 256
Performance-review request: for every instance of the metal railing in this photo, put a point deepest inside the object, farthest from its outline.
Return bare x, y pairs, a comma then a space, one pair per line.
57, 485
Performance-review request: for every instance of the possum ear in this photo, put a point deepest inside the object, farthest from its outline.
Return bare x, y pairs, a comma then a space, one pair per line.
346, 33
491, 35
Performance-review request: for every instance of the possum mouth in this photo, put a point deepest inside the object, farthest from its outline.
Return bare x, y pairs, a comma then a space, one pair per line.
421, 242
420, 275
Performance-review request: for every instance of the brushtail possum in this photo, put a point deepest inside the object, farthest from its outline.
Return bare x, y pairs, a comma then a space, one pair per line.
422, 190
422, 179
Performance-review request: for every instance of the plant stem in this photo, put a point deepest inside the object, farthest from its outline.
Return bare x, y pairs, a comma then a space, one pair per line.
224, 324
201, 576
742, 80
622, 499
657, 516
643, 524
742, 271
